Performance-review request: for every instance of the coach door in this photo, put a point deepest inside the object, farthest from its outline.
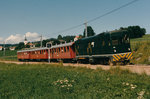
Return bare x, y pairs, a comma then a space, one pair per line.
90, 47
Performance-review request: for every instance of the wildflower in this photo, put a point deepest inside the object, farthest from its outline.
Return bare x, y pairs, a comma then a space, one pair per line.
127, 84
133, 87
123, 83
108, 79
69, 85
140, 94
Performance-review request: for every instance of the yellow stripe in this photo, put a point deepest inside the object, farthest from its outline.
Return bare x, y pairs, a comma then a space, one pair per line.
124, 55
130, 56
114, 60
118, 57
127, 55
115, 57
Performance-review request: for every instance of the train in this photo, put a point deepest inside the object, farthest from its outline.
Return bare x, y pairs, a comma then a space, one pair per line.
105, 48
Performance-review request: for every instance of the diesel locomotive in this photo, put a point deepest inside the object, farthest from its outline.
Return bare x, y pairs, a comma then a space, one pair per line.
105, 48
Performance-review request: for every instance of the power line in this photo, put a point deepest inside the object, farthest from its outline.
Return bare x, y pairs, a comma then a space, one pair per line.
114, 10
96, 18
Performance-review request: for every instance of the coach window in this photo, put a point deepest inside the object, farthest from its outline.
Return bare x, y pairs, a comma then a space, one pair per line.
64, 49
56, 50
59, 50
67, 48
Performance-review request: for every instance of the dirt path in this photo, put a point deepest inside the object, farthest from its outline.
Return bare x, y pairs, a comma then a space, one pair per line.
133, 68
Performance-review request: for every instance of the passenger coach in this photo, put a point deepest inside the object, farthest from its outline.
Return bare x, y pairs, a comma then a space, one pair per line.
63, 52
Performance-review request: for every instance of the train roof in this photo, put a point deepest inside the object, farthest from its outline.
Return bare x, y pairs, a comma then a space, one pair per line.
45, 48
62, 45
35, 49
115, 32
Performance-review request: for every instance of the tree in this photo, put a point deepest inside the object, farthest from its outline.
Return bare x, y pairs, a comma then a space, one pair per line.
90, 32
20, 46
135, 31
59, 37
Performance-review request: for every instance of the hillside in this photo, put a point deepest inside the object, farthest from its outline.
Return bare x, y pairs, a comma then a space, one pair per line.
141, 50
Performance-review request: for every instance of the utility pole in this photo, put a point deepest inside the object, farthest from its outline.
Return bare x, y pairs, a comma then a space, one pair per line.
4, 49
85, 29
41, 40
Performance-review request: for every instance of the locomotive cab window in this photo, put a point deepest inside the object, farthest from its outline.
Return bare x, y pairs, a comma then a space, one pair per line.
126, 39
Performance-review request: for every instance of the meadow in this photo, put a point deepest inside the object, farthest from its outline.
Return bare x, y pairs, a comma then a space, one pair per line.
9, 55
46, 81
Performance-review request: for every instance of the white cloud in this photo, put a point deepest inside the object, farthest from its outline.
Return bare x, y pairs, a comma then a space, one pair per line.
13, 39
32, 36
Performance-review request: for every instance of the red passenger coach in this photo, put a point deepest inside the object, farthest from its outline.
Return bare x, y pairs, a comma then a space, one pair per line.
54, 53
33, 54
62, 52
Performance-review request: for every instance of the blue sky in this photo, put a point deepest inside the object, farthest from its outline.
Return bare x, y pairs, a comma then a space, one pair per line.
48, 17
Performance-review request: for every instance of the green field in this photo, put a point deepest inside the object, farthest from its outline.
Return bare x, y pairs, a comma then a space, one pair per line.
58, 82
9, 55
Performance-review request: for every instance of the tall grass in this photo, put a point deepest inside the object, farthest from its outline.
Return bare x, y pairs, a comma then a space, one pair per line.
58, 82
141, 50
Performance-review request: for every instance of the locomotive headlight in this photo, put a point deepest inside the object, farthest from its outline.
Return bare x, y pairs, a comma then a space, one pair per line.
129, 49
114, 50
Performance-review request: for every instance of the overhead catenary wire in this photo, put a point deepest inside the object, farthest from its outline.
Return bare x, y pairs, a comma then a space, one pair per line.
96, 18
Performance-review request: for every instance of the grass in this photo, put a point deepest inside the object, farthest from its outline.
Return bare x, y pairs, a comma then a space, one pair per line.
141, 50
9, 55
58, 82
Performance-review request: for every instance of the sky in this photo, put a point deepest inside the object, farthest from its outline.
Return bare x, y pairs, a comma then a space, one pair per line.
34, 18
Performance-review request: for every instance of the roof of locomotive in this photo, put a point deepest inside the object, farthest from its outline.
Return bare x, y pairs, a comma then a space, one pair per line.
115, 32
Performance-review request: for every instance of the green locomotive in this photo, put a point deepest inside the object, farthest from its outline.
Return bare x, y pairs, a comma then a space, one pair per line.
109, 47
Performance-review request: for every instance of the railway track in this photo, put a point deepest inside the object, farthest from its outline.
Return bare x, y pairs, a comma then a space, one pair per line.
133, 68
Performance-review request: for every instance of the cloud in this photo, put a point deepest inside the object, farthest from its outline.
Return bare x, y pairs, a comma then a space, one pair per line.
14, 39
32, 36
